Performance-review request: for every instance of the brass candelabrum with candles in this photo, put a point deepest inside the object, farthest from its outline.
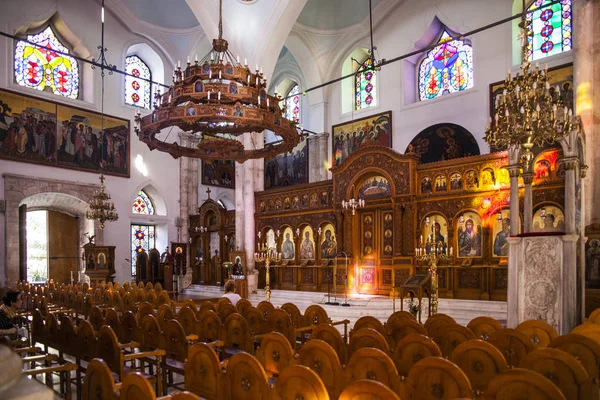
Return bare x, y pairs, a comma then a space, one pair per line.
268, 256
432, 253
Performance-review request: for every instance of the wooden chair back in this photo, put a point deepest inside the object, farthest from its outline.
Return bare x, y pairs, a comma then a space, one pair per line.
275, 353
37, 327
149, 286
399, 327
210, 326
191, 304
594, 317
330, 335
203, 373
98, 382
451, 336
369, 322
519, 383
187, 318
315, 315
163, 297
205, 306
141, 295
265, 308
85, 345
584, 349
590, 330
151, 296
399, 315
111, 318
221, 302
174, 341
562, 369
67, 334
436, 322
256, 320
150, 333
299, 382
128, 303
368, 389
435, 378
246, 378
164, 315
539, 332
144, 309
130, 329
373, 364
136, 387
411, 349
225, 310
110, 352
236, 334
480, 361
118, 302
51, 332
367, 337
158, 288
96, 318
109, 300
323, 360
295, 314
280, 321
242, 305
513, 344
484, 327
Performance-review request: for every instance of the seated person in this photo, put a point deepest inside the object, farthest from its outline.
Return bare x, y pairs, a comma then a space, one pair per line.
12, 303
230, 292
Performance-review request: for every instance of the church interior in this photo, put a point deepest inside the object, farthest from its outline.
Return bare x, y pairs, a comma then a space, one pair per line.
300, 199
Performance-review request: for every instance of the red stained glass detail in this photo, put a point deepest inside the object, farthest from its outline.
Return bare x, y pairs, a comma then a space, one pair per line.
369, 87
140, 235
369, 75
135, 85
369, 99
135, 72
135, 97
547, 47
546, 14
547, 31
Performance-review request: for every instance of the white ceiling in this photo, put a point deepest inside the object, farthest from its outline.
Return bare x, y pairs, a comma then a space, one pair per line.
334, 14
171, 14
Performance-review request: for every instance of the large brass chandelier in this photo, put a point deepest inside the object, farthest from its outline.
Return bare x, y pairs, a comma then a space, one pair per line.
215, 101
101, 208
529, 112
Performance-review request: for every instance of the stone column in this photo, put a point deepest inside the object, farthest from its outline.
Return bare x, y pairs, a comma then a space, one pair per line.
586, 36
249, 223
570, 164
528, 200
324, 163
514, 172
184, 191
314, 174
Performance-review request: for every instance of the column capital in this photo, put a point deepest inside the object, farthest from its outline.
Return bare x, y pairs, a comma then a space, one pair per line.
528, 178
514, 171
583, 171
569, 163
323, 135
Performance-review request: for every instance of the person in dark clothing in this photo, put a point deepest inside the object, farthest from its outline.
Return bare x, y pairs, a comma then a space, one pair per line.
12, 302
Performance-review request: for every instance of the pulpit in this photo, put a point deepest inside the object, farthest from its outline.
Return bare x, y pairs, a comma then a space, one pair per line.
99, 262
420, 286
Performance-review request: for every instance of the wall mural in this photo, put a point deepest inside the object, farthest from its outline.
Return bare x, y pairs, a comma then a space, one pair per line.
443, 142
546, 166
468, 233
44, 132
351, 136
548, 219
500, 232
561, 76
288, 247
434, 233
328, 242
373, 187
287, 169
218, 173
307, 248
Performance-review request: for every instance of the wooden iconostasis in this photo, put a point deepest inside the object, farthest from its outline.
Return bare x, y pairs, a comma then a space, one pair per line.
461, 204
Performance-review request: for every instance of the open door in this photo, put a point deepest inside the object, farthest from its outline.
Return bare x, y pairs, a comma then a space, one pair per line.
63, 247
23, 242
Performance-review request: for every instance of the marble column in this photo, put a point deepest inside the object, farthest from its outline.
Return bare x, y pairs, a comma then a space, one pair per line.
184, 191
514, 172
586, 70
324, 163
249, 223
314, 175
528, 202
570, 165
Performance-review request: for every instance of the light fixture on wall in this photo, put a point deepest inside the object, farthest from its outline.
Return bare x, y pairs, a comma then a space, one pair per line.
529, 112
215, 101
352, 204
101, 208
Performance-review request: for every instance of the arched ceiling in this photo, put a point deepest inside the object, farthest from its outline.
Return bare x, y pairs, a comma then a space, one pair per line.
171, 14
334, 14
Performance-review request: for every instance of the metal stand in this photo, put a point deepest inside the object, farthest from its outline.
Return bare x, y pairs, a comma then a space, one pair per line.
346, 300
329, 302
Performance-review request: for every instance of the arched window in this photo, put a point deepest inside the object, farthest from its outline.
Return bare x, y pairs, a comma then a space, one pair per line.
41, 67
143, 204
292, 104
549, 27
365, 82
137, 91
447, 68
143, 239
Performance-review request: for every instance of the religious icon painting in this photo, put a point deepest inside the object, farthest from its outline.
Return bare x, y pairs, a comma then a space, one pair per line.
367, 275
304, 201
270, 206
295, 203
503, 177
501, 232
328, 242
367, 234
426, 186
456, 182
287, 204
324, 199
349, 137
262, 207
440, 183
288, 247
218, 173
278, 205
314, 200
468, 234
289, 168
592, 262
434, 230
545, 165
307, 246
271, 242
373, 187
472, 179
388, 234
548, 218
488, 177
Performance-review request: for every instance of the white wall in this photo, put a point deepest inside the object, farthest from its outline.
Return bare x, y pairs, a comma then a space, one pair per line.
83, 19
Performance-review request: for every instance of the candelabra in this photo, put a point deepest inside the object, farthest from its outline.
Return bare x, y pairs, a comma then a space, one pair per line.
101, 209
268, 256
353, 203
431, 253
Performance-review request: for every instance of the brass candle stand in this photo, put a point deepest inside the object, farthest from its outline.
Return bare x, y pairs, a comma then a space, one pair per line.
431, 254
268, 256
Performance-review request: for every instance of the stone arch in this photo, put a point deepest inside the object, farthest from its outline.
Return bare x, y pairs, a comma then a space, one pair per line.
40, 193
160, 205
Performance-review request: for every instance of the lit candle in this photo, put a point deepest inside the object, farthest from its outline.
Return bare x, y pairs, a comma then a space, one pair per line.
209, 95
248, 80
257, 81
210, 74
188, 60
219, 95
219, 74
450, 250
256, 68
245, 61
196, 57
238, 59
178, 63
259, 99
267, 102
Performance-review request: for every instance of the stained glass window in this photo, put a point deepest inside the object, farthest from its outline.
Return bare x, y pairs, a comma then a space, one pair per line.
447, 68
365, 82
137, 91
143, 204
142, 239
292, 104
549, 27
41, 67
